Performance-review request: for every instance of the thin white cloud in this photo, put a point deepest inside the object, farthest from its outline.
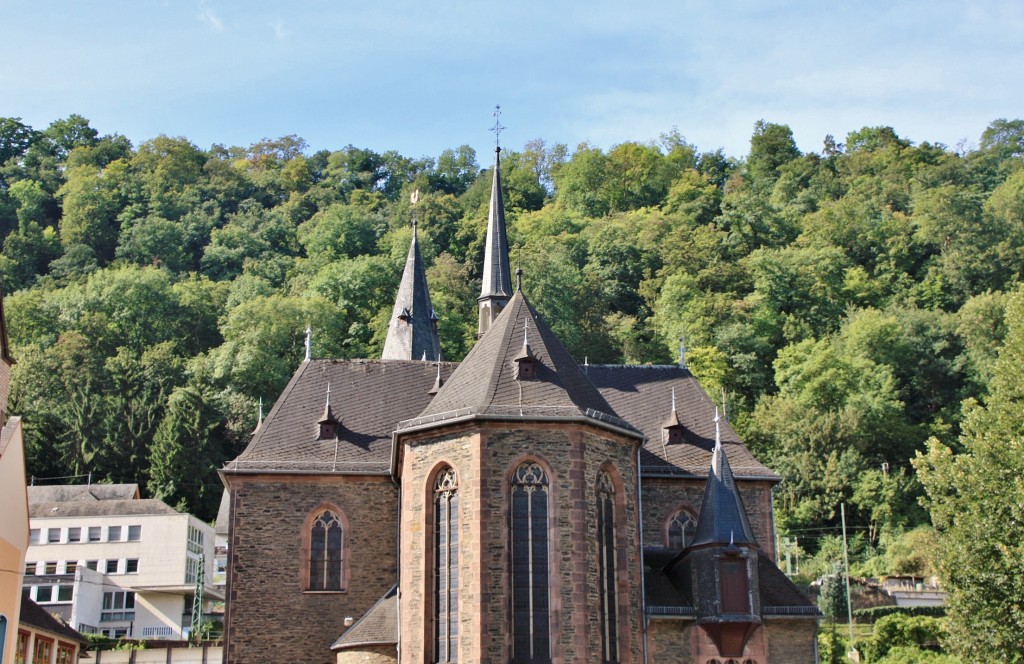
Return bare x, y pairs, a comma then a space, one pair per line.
280, 32
210, 17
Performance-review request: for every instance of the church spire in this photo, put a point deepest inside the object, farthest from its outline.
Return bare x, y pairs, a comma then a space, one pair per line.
497, 276
412, 331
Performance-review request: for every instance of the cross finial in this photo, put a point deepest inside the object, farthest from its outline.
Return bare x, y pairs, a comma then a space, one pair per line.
309, 342
673, 399
328, 393
261, 412
497, 128
526, 332
414, 198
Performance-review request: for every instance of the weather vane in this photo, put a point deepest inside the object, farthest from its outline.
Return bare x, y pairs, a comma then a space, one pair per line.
497, 128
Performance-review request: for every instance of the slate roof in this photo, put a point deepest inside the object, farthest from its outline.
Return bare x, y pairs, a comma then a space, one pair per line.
497, 276
412, 332
368, 397
36, 616
642, 395
666, 596
62, 493
484, 384
722, 519
378, 626
139, 507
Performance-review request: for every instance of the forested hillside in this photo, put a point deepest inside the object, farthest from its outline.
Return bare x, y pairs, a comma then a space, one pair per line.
841, 304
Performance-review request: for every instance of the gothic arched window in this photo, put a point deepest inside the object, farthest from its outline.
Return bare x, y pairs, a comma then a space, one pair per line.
529, 539
607, 567
446, 566
680, 530
326, 551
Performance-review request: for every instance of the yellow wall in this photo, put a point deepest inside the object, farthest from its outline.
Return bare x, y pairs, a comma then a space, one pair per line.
13, 530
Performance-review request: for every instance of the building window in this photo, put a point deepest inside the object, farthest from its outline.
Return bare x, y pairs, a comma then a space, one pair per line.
21, 650
92, 564
53, 536
50, 567
65, 653
30, 568
33, 536
111, 566
42, 650
114, 534
680, 530
94, 533
131, 566
446, 566
529, 540
735, 593
118, 606
195, 540
74, 534
326, 545
65, 593
70, 566
44, 594
607, 567
134, 533
191, 570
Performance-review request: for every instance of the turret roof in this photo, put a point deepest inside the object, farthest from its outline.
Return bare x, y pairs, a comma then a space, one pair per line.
485, 382
722, 519
497, 275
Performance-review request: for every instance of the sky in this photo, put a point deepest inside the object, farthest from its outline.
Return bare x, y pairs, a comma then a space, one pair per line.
421, 77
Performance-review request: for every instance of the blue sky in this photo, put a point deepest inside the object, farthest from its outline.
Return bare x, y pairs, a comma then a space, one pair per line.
419, 77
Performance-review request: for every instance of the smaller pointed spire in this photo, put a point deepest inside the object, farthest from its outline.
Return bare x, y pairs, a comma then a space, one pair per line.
309, 343
412, 330
496, 285
722, 513
525, 361
438, 382
673, 425
259, 422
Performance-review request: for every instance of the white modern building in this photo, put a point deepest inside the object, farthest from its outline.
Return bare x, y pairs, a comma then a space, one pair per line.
110, 562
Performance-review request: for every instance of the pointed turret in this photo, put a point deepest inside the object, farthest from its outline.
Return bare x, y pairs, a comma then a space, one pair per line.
722, 518
722, 561
412, 332
497, 276
673, 425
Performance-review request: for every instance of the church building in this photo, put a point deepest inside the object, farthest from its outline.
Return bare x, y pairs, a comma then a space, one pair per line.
514, 507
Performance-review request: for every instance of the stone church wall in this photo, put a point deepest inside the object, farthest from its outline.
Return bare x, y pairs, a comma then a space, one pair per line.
484, 461
268, 614
792, 640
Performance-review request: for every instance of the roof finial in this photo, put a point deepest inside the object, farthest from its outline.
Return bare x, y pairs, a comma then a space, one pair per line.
309, 343
261, 412
328, 394
414, 198
718, 445
497, 128
673, 399
526, 332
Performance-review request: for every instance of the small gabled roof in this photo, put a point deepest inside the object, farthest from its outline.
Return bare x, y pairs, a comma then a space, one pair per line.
412, 333
485, 382
377, 627
36, 616
722, 519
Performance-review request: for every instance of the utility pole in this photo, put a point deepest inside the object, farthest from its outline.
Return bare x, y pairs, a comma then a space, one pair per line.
853, 655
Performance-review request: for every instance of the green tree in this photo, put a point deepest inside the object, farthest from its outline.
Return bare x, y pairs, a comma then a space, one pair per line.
974, 500
186, 453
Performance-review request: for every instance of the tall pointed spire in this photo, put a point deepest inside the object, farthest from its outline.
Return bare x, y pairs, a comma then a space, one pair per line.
412, 331
497, 275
